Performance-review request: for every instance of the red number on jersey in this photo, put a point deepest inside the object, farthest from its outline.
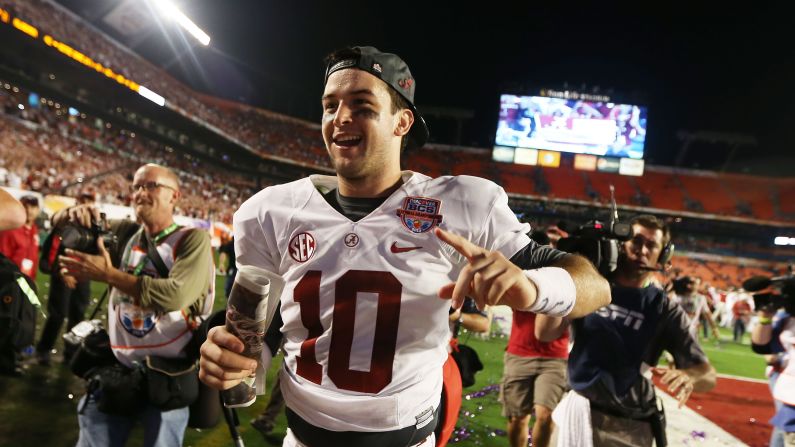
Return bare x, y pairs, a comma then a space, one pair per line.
307, 295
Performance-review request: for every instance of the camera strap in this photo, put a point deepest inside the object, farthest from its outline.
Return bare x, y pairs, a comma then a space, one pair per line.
151, 251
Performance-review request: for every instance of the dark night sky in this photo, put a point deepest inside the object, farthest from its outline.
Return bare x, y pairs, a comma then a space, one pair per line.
696, 68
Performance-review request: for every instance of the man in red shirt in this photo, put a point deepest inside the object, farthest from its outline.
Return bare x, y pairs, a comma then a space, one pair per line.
534, 380
21, 245
742, 314
534, 377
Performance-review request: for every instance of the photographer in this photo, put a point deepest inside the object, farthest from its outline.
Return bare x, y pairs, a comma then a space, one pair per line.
615, 346
777, 335
151, 314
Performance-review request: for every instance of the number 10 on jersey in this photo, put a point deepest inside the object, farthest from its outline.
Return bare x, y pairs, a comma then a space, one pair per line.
307, 295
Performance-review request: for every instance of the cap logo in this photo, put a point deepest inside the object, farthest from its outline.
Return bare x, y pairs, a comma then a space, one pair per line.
405, 83
377, 67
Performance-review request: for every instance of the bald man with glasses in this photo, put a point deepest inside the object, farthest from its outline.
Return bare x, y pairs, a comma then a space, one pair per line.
162, 287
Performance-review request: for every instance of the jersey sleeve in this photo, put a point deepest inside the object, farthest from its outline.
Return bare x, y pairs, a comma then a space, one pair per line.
254, 234
534, 255
502, 231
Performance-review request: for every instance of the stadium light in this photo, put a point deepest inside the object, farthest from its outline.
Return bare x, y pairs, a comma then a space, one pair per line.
152, 96
784, 240
172, 12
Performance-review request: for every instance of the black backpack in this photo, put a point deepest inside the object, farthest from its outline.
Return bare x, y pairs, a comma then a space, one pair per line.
17, 312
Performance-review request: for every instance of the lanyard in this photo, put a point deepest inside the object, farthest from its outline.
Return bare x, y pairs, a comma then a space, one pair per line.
160, 236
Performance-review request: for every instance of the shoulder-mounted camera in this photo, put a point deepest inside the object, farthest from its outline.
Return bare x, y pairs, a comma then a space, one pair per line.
598, 241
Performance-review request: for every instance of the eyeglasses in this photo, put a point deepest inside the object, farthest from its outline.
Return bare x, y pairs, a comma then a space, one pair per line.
149, 186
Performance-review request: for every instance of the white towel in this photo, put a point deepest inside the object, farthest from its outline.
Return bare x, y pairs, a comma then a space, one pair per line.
572, 418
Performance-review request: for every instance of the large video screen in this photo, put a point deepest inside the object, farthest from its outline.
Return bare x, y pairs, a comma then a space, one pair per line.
566, 125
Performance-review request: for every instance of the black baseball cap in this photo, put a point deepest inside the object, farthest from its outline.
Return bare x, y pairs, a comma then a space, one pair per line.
29, 200
391, 69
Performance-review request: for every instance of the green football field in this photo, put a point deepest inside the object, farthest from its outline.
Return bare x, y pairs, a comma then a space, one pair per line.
40, 409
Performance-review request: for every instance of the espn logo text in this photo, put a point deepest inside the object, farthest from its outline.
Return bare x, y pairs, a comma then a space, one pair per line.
617, 313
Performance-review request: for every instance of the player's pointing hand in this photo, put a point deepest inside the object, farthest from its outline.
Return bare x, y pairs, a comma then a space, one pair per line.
489, 277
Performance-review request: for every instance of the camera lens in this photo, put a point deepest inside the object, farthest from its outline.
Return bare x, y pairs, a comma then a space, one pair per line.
79, 238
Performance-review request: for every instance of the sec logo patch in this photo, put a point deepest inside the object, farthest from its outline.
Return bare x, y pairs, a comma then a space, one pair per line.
302, 247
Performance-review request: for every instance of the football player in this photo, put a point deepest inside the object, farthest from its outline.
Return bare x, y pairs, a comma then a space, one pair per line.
361, 259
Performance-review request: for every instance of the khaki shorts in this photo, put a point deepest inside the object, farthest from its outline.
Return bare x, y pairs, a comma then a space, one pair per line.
529, 381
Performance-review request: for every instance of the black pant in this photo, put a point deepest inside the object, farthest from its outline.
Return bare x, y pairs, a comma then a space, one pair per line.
8, 358
63, 302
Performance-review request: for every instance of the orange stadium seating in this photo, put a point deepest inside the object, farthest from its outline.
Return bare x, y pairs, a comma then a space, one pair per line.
754, 191
710, 192
565, 183
661, 187
624, 186
786, 198
719, 274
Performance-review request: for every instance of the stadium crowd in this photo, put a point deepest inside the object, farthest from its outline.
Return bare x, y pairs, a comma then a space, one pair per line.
43, 148
270, 134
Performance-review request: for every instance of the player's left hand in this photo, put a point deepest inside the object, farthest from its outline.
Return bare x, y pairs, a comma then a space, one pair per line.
84, 266
680, 384
489, 277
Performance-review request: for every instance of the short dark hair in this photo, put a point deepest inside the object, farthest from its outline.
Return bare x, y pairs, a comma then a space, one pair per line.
649, 221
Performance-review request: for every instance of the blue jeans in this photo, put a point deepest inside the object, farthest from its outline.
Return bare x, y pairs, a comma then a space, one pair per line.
161, 429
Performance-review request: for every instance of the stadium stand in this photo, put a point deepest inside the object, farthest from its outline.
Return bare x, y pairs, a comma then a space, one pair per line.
709, 192
720, 274
277, 136
753, 195
45, 149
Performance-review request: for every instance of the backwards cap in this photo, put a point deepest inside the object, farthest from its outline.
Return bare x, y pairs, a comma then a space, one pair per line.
391, 69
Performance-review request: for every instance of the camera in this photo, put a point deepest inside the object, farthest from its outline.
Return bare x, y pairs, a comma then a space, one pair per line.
89, 345
80, 238
76, 237
599, 242
783, 294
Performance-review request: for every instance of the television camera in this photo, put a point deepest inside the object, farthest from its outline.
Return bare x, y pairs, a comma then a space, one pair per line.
598, 241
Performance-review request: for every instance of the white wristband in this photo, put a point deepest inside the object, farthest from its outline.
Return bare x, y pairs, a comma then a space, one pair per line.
556, 291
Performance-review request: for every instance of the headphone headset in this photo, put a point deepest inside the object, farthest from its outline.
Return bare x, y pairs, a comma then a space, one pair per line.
666, 254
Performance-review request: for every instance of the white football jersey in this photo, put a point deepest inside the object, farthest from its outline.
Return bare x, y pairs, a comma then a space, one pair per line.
365, 331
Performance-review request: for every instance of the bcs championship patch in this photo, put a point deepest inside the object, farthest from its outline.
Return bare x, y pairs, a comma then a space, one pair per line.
420, 214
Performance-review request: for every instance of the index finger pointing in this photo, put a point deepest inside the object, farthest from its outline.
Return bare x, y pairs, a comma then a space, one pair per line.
459, 243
